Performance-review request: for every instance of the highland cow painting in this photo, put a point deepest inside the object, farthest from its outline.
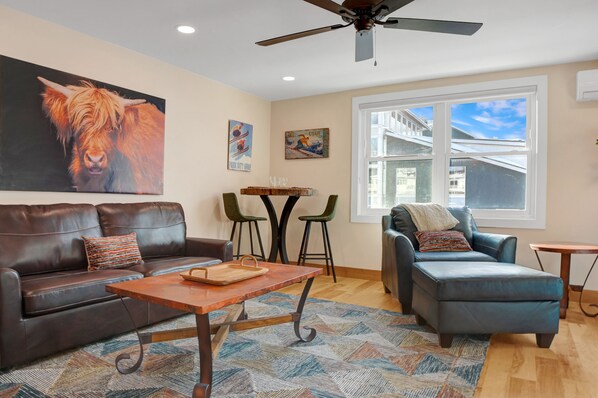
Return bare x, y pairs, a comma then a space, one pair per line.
62, 132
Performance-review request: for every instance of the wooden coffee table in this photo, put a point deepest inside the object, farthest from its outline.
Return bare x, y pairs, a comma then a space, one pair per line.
173, 291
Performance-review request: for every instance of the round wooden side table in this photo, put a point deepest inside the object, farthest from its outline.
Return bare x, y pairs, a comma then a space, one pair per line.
566, 249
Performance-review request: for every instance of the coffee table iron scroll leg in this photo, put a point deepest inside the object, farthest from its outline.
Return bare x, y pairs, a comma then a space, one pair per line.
243, 315
203, 389
312, 333
121, 368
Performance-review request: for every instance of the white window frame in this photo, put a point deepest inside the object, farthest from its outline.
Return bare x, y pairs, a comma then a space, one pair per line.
534, 88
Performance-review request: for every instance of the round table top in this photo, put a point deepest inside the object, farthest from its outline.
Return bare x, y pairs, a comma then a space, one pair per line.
565, 247
278, 191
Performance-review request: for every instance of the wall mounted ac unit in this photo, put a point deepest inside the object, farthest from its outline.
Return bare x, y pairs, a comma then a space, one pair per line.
587, 85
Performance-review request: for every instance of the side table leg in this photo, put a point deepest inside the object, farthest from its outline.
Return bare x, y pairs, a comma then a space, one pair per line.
312, 333
565, 270
203, 389
595, 314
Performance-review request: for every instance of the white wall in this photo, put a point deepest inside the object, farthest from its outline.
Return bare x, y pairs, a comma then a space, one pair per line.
572, 169
197, 113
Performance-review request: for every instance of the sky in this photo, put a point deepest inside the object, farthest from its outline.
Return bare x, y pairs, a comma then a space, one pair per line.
501, 119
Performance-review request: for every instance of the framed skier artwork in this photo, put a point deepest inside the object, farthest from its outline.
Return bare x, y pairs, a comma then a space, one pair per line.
240, 136
306, 144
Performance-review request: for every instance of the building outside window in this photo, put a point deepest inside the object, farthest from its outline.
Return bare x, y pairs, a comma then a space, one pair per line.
481, 145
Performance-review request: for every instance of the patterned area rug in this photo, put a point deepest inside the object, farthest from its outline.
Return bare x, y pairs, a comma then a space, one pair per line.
358, 352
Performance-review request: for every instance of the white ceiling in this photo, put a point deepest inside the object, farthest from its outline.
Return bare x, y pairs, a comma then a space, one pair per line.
516, 34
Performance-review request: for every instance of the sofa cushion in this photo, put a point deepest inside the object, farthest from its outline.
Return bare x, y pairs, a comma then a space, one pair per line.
166, 265
46, 238
58, 291
160, 226
453, 256
119, 251
484, 281
404, 224
442, 241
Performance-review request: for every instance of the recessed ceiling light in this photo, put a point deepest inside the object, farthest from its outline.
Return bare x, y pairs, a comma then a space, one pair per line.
288, 78
185, 29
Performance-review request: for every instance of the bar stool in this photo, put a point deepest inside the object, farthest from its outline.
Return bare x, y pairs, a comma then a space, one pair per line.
233, 212
323, 218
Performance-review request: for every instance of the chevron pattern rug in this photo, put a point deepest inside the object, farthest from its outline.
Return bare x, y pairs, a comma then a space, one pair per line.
358, 352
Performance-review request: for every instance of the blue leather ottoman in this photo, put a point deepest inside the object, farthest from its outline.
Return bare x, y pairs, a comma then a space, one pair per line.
484, 298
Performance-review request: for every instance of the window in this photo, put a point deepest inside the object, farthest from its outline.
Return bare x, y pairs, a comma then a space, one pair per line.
481, 145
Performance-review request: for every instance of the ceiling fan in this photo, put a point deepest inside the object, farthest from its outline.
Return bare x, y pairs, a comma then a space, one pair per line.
365, 14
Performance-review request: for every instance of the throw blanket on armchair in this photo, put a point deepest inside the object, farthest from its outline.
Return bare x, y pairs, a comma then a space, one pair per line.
430, 216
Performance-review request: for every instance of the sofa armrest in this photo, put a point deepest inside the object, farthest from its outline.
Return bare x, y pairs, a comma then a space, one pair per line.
12, 326
398, 256
502, 247
217, 248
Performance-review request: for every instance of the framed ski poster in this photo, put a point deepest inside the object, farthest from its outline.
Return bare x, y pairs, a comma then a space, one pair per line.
306, 144
240, 137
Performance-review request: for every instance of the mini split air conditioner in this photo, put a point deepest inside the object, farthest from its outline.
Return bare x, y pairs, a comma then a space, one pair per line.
587, 85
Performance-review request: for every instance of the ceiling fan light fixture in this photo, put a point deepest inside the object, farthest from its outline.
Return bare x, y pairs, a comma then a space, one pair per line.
288, 78
364, 15
186, 29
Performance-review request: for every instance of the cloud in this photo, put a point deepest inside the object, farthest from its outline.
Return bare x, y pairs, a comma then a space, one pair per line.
460, 122
477, 134
521, 108
514, 107
494, 123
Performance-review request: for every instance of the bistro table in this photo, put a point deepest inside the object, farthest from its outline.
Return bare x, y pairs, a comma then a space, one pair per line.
566, 249
279, 227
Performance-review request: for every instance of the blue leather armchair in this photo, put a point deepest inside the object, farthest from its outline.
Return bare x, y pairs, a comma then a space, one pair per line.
400, 250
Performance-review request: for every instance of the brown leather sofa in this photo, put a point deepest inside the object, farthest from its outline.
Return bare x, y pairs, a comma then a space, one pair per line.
49, 302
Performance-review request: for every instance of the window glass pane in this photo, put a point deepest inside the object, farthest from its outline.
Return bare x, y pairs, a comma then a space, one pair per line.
394, 182
488, 182
489, 126
402, 132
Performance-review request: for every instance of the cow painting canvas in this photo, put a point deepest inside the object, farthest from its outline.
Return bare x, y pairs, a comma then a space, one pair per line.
62, 132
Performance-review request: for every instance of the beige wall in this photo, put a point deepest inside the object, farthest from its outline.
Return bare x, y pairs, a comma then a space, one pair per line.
197, 113
572, 169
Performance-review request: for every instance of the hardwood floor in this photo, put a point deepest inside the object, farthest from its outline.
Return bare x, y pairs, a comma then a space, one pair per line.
515, 366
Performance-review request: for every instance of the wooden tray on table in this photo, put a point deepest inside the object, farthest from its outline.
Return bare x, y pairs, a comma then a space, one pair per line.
225, 273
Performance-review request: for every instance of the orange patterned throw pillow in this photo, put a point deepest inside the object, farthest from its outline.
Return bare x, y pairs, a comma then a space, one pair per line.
112, 252
442, 241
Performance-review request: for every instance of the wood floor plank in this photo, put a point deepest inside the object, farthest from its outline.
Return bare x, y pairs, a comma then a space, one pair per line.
515, 367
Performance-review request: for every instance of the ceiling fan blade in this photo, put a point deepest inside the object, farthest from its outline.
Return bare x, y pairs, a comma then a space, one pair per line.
299, 35
387, 7
433, 25
332, 7
364, 45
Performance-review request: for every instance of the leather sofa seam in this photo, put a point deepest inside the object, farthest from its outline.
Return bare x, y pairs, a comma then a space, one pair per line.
51, 233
